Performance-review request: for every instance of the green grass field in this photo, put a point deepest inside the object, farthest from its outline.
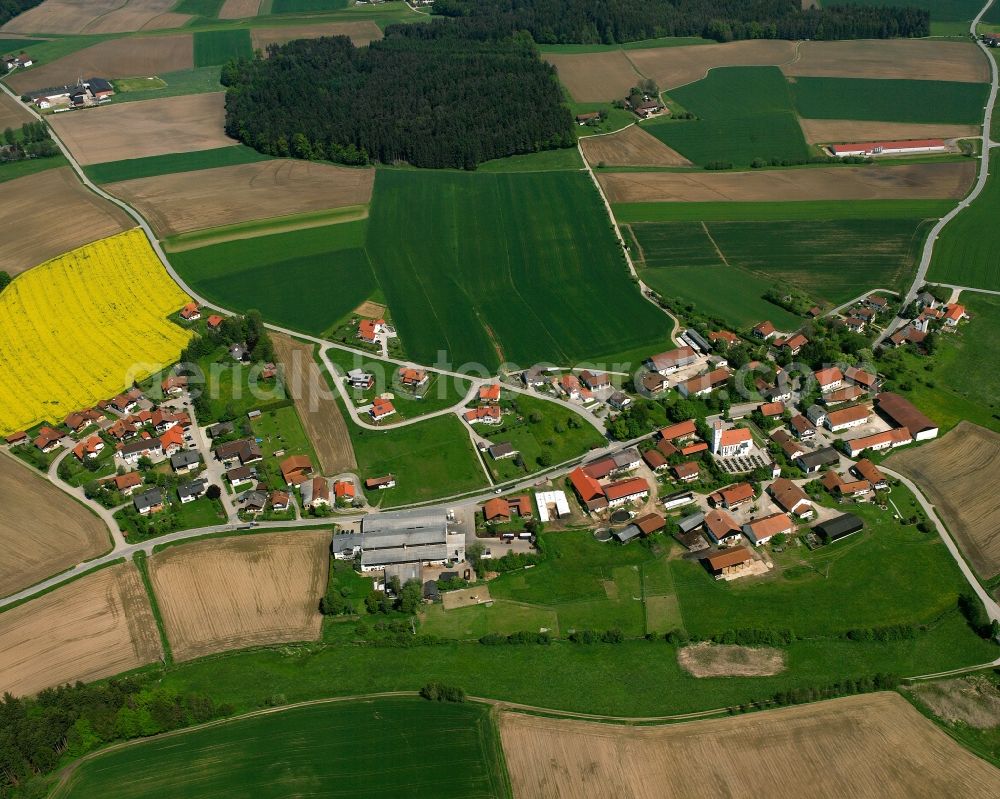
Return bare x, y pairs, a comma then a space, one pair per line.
544, 161
212, 48
890, 100
817, 210
967, 253
134, 168
30, 166
281, 429
171, 84
359, 749
503, 267
9, 46
200, 8
306, 280
743, 113
299, 6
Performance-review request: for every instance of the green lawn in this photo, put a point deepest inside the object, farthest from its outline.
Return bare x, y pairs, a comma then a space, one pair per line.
472, 623
171, 84
814, 210
213, 48
890, 100
558, 435
134, 168
306, 280
30, 166
493, 267
281, 429
743, 113
372, 749
203, 512
228, 389
967, 253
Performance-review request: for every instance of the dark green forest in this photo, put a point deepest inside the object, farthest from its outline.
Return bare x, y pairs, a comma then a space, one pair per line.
11, 8
425, 94
615, 21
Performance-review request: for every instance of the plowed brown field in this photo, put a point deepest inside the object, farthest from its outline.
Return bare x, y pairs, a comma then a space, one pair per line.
596, 77
12, 113
917, 181
230, 593
95, 16
833, 131
238, 9
631, 146
149, 127
186, 201
54, 194
360, 33
99, 625
950, 472
867, 747
676, 66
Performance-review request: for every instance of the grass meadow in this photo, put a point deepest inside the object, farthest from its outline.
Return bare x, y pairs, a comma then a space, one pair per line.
216, 47
807, 210
743, 113
185, 81
308, 6
445, 750
200, 8
967, 253
133, 168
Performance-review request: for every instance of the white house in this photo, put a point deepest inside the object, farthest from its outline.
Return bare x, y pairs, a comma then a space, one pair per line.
730, 443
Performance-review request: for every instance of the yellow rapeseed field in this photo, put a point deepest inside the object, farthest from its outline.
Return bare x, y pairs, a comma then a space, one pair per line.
81, 327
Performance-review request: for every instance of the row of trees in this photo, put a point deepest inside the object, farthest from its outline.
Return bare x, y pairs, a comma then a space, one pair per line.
611, 21
426, 94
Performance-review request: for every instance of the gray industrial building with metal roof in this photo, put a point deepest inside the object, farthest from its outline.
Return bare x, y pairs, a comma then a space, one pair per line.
391, 539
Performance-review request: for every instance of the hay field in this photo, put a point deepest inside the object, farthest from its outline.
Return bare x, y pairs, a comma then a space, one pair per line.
233, 593
596, 77
42, 530
950, 473
832, 131
972, 700
115, 58
314, 400
12, 113
94, 627
238, 9
53, 194
185, 201
913, 59
724, 660
671, 67
875, 746
148, 127
96, 16
631, 146
949, 180
360, 33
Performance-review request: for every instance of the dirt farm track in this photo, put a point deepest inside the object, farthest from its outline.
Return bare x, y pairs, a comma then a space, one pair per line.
231, 593
950, 471
42, 531
875, 746
99, 625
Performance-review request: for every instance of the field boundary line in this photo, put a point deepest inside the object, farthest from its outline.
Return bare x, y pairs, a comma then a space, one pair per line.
718, 251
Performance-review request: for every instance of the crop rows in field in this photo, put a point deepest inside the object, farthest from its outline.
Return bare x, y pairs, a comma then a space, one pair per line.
83, 326
212, 48
967, 253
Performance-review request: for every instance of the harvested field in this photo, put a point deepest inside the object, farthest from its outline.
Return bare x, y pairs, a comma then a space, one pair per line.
875, 746
832, 131
972, 700
950, 472
12, 113
95, 16
116, 58
140, 129
42, 530
232, 593
913, 59
314, 400
182, 202
361, 33
238, 9
596, 77
476, 595
97, 626
370, 310
671, 67
53, 194
948, 180
631, 146
723, 660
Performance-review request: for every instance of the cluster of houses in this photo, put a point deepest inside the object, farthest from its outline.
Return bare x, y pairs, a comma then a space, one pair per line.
316, 491
22, 60
488, 410
932, 316
92, 91
605, 483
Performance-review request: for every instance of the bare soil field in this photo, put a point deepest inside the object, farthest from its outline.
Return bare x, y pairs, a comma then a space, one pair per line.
42, 530
231, 593
12, 113
972, 700
95, 16
671, 67
320, 414
476, 595
238, 9
597, 77
370, 310
148, 127
913, 59
361, 33
116, 58
94, 627
48, 195
833, 131
184, 201
723, 660
950, 472
875, 746
631, 146
917, 181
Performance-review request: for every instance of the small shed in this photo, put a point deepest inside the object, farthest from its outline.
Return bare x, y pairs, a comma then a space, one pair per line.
839, 527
